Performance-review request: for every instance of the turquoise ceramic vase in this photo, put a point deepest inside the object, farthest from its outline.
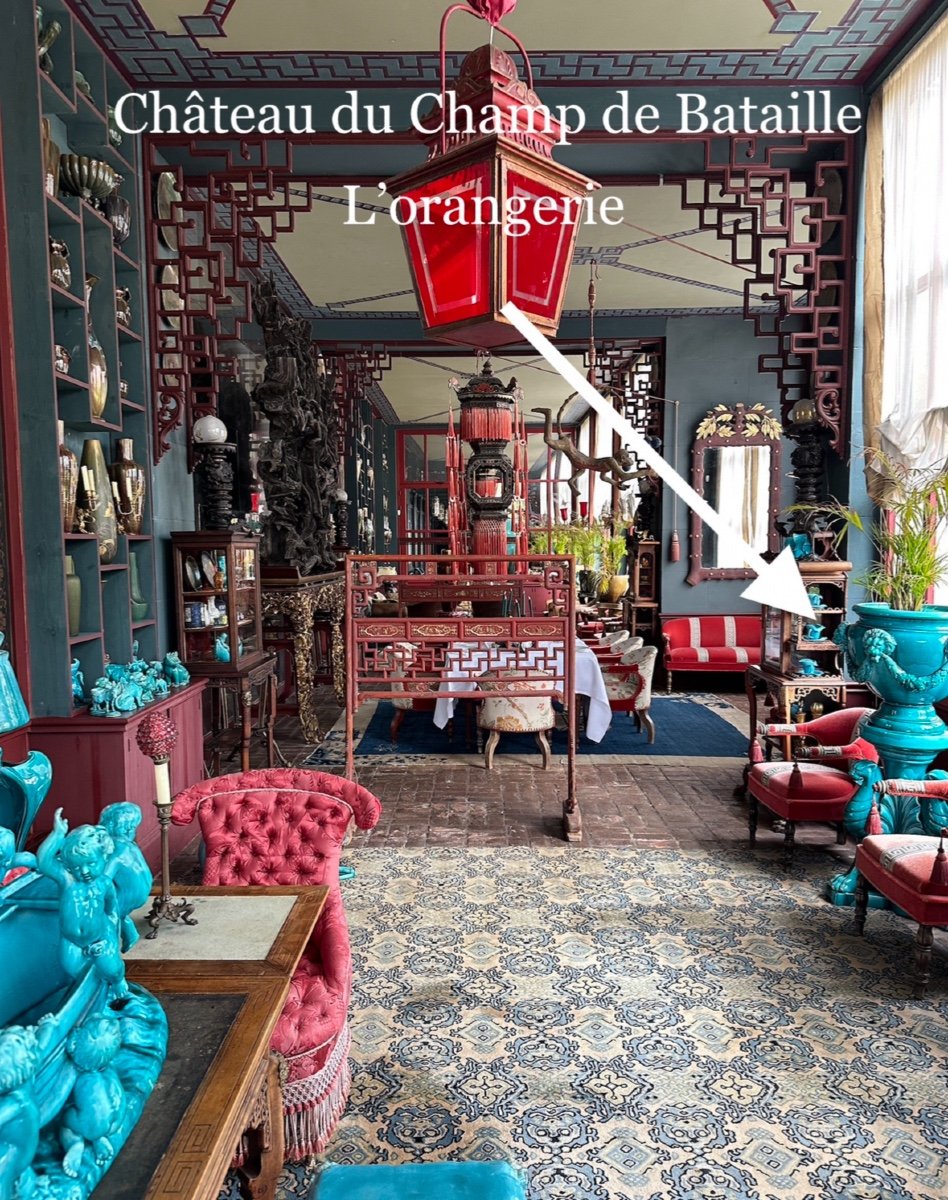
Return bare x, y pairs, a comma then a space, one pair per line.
903, 656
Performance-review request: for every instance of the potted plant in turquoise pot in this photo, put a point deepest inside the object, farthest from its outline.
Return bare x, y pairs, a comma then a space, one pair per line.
899, 645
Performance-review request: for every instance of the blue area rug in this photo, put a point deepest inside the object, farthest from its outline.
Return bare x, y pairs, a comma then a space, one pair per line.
684, 728
638, 1025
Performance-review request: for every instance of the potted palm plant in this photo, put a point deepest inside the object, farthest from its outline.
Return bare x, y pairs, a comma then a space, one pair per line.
899, 645
587, 547
614, 584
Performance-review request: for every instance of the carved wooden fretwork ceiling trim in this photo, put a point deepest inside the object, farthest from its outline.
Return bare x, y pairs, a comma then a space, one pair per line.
790, 231
796, 246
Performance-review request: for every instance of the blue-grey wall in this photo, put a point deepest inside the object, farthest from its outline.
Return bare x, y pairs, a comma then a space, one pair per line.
172, 508
709, 361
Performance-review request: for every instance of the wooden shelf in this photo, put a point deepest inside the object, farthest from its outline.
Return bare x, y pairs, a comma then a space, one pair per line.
79, 638
62, 299
54, 99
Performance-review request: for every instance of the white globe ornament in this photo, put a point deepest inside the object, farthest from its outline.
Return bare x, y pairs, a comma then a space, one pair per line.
209, 429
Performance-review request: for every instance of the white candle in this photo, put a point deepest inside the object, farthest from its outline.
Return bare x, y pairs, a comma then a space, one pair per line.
115, 490
87, 479
162, 782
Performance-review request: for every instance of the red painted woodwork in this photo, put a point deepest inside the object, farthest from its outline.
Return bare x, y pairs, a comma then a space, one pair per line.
490, 217
15, 746
102, 753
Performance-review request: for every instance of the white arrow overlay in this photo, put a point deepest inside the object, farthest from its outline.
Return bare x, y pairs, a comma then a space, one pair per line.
778, 583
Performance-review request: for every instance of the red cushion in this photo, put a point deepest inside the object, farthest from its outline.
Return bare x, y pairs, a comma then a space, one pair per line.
908, 857
712, 655
821, 795
903, 892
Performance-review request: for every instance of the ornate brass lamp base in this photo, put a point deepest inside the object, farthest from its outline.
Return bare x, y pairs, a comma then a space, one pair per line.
166, 908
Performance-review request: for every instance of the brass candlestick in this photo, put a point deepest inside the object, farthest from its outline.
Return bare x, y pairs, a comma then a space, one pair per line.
156, 737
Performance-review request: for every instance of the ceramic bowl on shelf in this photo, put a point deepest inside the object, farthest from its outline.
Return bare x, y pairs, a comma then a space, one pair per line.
88, 178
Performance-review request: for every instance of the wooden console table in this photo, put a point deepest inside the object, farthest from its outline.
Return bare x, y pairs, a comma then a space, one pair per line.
223, 983
301, 604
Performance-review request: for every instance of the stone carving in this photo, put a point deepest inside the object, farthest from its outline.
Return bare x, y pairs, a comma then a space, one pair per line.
298, 466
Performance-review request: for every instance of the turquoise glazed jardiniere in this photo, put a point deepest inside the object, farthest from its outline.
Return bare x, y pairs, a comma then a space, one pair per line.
903, 656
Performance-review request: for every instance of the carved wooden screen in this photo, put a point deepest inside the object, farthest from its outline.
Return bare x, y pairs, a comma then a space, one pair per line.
442, 657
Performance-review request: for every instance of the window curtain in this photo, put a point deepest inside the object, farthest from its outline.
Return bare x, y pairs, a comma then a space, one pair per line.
908, 148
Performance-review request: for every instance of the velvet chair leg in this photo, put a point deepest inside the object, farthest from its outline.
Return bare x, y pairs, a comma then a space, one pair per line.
397, 724
788, 836
862, 904
544, 743
490, 748
752, 820
646, 719
923, 960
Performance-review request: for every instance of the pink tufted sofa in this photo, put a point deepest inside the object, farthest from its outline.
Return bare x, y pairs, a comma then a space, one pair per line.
286, 827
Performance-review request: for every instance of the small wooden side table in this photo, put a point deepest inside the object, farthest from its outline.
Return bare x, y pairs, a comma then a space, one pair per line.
242, 681
223, 983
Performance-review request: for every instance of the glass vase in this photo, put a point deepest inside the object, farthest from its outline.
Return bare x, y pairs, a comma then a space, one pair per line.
68, 480
95, 495
98, 367
73, 596
129, 479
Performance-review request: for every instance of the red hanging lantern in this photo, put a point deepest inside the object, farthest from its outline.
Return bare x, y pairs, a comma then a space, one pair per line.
490, 217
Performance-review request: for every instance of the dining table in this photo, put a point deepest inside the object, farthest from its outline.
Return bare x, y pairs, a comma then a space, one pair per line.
466, 661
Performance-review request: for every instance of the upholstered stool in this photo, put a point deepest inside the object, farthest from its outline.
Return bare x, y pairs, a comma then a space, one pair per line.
911, 871
420, 1181
796, 792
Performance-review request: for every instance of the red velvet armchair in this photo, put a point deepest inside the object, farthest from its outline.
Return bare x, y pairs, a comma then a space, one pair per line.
286, 827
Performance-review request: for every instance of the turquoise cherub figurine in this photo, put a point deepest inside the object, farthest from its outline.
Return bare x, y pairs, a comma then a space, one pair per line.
88, 904
130, 872
221, 648
96, 1108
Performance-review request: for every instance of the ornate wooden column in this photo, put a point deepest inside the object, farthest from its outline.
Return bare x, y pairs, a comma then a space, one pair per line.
487, 422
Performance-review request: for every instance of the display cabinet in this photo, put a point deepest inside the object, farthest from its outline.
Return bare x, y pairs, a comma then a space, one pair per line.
80, 357
800, 675
217, 600
642, 602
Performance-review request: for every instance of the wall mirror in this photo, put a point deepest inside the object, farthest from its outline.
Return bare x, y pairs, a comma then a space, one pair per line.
735, 466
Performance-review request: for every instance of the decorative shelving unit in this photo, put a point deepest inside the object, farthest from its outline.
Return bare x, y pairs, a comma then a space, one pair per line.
69, 99
800, 676
73, 97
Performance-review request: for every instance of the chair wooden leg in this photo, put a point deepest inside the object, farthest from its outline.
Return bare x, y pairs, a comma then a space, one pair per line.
396, 724
923, 960
544, 743
861, 907
840, 834
788, 835
752, 819
668, 684
490, 748
646, 719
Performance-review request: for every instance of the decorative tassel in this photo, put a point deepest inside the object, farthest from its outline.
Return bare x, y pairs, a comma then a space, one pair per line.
938, 881
795, 783
756, 751
674, 547
874, 822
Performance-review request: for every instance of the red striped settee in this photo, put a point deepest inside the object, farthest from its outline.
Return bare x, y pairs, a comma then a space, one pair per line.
710, 643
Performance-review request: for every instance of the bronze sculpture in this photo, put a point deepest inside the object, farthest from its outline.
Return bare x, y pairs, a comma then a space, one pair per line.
611, 468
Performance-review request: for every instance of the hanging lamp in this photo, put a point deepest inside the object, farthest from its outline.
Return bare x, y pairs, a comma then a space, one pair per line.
465, 272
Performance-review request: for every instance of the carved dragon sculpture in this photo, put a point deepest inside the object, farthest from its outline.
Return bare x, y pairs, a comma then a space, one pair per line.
298, 467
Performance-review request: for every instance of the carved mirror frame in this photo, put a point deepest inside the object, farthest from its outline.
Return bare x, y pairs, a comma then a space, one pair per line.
734, 426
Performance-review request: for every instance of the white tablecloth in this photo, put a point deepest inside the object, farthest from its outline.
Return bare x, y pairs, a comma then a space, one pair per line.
465, 662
